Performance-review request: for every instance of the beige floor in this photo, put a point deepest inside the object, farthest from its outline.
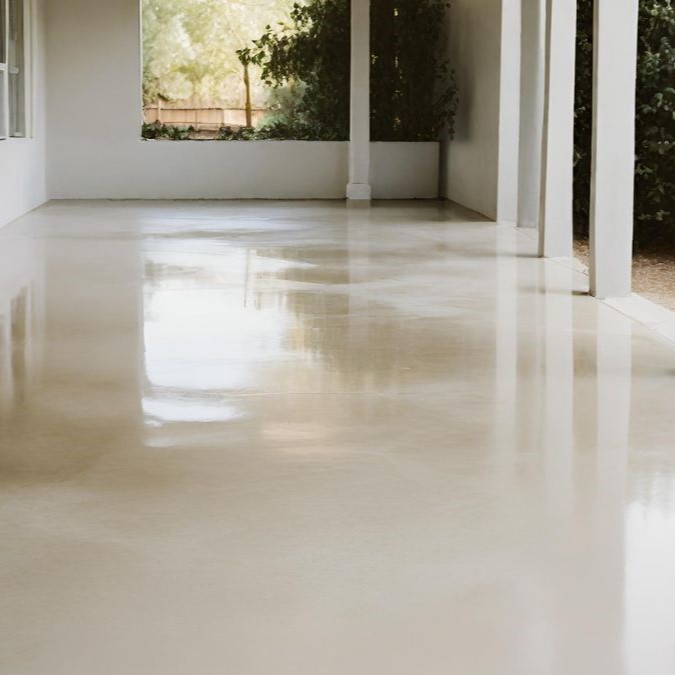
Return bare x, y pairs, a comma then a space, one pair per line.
297, 439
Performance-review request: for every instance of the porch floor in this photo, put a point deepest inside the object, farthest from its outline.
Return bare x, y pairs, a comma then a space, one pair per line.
258, 438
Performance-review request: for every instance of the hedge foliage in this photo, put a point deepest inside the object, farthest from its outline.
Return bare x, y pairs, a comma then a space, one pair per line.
307, 64
655, 123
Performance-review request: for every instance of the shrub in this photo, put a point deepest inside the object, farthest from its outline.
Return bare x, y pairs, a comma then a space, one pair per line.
413, 95
227, 133
655, 123
157, 131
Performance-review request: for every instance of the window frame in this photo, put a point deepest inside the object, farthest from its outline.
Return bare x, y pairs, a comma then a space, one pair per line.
27, 46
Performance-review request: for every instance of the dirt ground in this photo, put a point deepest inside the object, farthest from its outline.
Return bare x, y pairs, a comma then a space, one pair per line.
653, 274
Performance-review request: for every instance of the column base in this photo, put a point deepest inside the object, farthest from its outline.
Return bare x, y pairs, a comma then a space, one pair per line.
359, 192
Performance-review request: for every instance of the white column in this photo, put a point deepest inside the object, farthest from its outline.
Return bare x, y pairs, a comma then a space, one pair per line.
532, 73
509, 112
557, 171
359, 146
613, 170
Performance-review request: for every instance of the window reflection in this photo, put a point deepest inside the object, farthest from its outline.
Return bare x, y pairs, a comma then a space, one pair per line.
209, 331
20, 325
650, 564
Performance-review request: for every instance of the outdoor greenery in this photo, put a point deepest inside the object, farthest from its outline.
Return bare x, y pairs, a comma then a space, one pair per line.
655, 123
189, 47
298, 66
166, 132
307, 62
169, 132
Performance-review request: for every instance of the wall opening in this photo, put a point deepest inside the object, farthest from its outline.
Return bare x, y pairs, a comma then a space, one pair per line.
226, 70
14, 68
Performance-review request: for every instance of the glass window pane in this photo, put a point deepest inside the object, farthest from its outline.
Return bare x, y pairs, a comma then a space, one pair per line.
16, 62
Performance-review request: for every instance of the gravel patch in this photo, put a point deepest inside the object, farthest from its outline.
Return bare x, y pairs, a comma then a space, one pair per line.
653, 274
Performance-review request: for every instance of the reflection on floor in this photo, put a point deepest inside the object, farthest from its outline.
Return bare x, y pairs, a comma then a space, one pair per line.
259, 438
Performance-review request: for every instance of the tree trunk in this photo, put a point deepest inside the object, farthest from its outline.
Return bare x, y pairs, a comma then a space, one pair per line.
249, 106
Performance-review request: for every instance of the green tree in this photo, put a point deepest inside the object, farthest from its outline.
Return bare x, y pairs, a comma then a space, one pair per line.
413, 95
189, 47
308, 59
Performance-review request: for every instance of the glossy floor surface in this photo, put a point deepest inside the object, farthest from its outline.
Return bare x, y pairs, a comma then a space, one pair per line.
302, 439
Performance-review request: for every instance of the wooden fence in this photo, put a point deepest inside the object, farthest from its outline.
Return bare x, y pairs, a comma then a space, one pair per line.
207, 119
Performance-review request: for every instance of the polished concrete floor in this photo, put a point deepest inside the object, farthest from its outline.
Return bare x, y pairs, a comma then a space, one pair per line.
302, 439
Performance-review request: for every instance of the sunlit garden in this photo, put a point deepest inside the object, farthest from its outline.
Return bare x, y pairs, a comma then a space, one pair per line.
277, 69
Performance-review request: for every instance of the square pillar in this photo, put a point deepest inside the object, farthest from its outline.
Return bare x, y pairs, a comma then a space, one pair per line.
557, 170
509, 112
532, 78
359, 145
613, 164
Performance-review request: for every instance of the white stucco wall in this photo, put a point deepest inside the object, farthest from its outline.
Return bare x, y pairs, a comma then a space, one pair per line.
92, 52
404, 170
480, 165
94, 56
22, 160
